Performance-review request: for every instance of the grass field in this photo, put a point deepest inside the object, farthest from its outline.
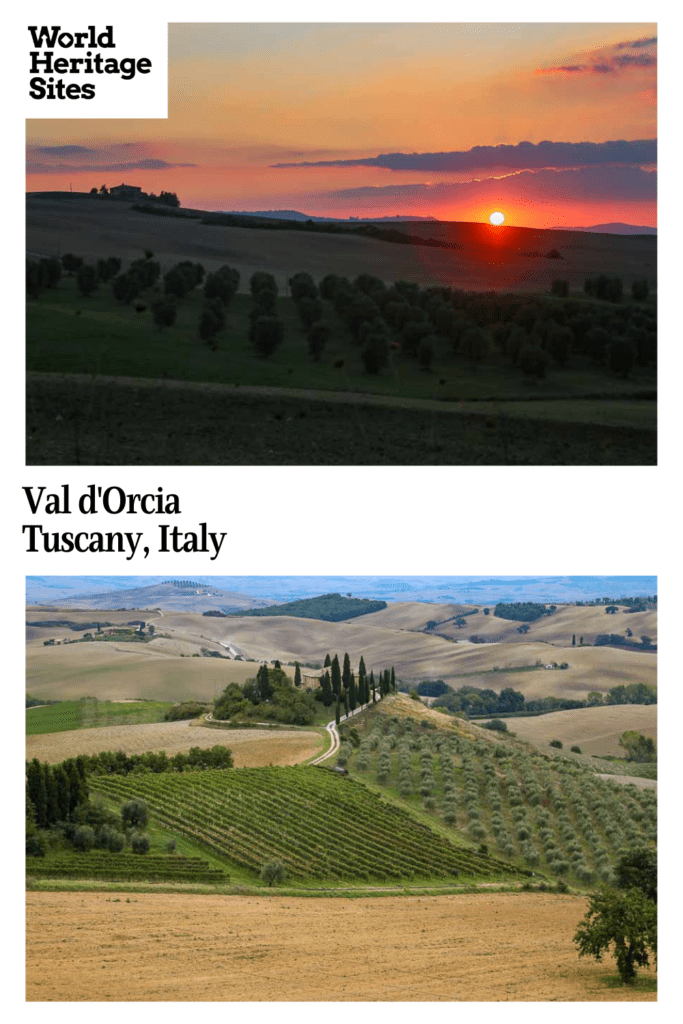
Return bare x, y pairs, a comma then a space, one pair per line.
89, 713
110, 339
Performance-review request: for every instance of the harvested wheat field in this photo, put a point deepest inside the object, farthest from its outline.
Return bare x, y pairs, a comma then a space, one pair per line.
504, 946
251, 748
117, 671
595, 730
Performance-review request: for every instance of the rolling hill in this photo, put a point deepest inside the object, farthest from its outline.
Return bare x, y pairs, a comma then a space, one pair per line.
488, 259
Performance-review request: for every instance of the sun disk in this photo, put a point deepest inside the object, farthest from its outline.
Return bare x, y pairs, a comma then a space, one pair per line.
497, 217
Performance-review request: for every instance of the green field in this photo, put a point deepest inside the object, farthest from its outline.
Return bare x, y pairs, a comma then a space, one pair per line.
125, 867
89, 713
320, 825
67, 333
184, 403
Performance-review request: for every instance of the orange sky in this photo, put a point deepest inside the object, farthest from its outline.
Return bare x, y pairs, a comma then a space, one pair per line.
243, 98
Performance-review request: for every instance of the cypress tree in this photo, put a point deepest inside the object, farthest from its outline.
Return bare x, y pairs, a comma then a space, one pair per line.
346, 672
353, 702
63, 797
393, 680
345, 694
337, 713
363, 690
336, 676
372, 684
326, 687
328, 661
297, 674
37, 792
52, 811
573, 639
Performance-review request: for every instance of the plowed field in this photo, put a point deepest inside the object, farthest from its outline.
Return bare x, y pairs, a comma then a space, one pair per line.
504, 946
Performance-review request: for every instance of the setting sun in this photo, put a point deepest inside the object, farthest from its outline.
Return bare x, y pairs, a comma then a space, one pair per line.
497, 217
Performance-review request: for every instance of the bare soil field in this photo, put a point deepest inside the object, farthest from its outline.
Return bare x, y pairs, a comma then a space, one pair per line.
251, 748
488, 259
595, 730
86, 947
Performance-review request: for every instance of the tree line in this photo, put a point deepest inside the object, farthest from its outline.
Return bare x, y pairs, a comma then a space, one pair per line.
475, 701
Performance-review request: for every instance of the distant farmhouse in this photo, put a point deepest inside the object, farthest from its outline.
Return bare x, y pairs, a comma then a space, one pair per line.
127, 192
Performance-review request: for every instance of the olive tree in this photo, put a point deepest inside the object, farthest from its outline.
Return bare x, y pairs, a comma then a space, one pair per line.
273, 871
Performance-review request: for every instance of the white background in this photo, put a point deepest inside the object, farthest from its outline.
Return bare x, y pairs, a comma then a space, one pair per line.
379, 520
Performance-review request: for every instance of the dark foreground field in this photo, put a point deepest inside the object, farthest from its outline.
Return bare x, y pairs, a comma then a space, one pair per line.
75, 420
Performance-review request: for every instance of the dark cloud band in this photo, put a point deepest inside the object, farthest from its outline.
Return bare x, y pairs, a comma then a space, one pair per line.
523, 156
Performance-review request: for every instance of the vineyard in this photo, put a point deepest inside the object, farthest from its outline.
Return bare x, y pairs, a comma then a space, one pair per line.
125, 867
550, 815
320, 825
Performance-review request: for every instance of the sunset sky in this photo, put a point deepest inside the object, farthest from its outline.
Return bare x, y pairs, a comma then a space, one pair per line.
552, 124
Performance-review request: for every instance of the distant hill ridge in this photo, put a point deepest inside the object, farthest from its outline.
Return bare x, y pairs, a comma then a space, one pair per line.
172, 595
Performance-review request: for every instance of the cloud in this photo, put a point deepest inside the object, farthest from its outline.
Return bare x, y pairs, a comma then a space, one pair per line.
63, 150
523, 156
637, 43
585, 184
36, 167
606, 60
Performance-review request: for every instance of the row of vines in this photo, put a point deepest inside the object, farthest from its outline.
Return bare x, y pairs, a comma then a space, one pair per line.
320, 825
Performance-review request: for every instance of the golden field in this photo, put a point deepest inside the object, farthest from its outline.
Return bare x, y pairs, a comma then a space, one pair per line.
464, 948
251, 748
117, 670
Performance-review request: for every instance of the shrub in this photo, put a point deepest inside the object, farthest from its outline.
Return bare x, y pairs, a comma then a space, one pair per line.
86, 279
135, 814
164, 312
621, 356
139, 842
269, 332
273, 872
640, 290
425, 352
556, 743
496, 724
318, 335
84, 838
533, 361
375, 352
575, 749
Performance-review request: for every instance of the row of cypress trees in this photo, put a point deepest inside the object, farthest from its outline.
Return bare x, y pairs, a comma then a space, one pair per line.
341, 687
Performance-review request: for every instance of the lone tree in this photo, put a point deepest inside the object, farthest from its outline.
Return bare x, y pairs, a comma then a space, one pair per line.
625, 919
274, 871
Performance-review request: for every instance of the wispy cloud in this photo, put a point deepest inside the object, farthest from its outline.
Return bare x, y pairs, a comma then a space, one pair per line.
585, 184
35, 167
522, 156
607, 60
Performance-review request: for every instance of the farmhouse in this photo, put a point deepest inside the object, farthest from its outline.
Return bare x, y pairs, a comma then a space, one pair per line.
127, 192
